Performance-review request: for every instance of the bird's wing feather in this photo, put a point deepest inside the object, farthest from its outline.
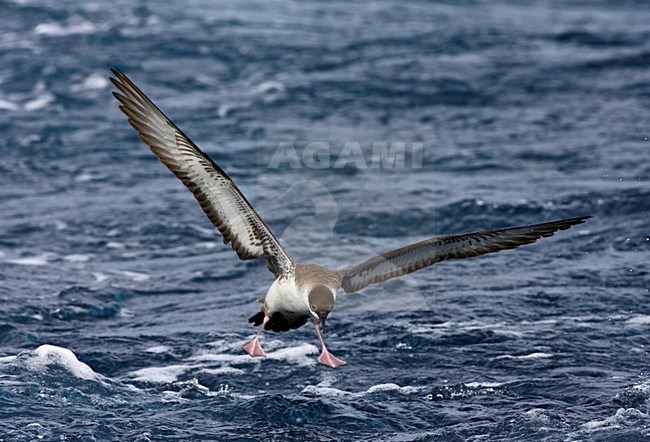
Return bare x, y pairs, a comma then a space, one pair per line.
465, 245
215, 191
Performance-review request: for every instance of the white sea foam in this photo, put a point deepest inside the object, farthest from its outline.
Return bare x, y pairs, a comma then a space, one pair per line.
100, 277
39, 102
209, 233
615, 421
484, 384
225, 358
94, 81
325, 389
230, 342
158, 349
223, 370
206, 245
297, 355
223, 110
59, 225
83, 177
538, 355
40, 430
393, 387
76, 257
639, 320
497, 327
270, 88
59, 30
537, 414
643, 387
126, 313
8, 105
47, 355
135, 276
160, 375
328, 378
38, 260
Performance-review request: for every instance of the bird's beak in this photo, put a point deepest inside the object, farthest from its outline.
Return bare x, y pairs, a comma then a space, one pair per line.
322, 317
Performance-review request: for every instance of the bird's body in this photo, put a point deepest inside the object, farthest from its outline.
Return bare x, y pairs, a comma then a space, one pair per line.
286, 299
289, 294
300, 292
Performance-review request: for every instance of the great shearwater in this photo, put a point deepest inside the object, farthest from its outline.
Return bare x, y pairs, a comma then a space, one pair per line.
300, 292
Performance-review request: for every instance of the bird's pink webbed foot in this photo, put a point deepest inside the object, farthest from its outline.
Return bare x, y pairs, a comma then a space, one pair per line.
327, 358
330, 360
253, 346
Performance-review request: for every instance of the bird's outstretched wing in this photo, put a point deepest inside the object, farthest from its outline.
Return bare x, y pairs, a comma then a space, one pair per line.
465, 245
217, 194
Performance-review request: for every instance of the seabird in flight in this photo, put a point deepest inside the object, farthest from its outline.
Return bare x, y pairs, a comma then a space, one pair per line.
300, 292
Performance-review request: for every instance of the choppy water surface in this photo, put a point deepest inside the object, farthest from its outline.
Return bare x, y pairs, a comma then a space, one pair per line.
122, 313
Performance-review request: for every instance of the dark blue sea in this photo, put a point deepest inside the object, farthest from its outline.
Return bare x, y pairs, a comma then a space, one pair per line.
122, 312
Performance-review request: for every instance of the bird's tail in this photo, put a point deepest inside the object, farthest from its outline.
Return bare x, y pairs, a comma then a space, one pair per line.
257, 318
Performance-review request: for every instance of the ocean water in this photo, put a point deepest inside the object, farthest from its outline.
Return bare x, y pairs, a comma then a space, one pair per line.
122, 313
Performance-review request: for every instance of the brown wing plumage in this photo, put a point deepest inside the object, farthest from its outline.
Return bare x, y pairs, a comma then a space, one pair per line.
217, 194
430, 251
